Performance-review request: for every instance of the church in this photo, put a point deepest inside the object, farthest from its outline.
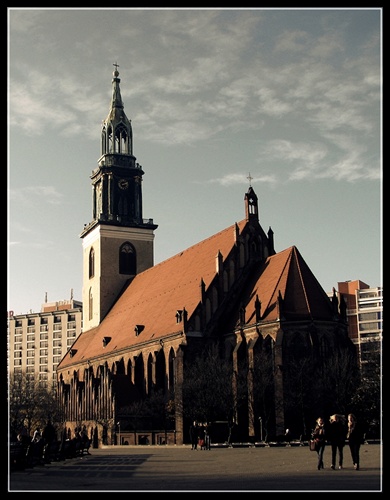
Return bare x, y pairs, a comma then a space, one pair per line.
262, 314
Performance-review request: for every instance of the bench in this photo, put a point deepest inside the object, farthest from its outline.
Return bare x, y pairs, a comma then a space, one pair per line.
18, 455
82, 447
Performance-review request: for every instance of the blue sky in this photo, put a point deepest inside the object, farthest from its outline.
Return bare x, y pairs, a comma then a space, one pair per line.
291, 96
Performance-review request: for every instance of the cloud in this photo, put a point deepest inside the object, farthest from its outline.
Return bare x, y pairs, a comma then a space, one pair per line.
31, 194
23, 228
194, 75
33, 107
291, 41
239, 178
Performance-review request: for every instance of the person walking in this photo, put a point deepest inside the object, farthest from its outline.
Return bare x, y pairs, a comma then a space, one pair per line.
319, 436
355, 439
49, 433
287, 437
49, 436
201, 436
207, 437
336, 435
194, 435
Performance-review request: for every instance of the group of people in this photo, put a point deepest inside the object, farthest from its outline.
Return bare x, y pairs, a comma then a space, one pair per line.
47, 435
200, 436
337, 433
44, 443
38, 447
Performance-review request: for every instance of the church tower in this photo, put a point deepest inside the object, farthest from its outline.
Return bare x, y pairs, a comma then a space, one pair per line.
118, 242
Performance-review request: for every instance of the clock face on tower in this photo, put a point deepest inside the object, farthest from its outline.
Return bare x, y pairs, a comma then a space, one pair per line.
123, 184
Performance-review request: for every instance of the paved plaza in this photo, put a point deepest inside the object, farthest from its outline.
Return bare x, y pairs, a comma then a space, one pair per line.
178, 468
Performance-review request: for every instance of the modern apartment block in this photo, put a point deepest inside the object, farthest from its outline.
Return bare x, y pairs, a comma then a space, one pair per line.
365, 316
38, 341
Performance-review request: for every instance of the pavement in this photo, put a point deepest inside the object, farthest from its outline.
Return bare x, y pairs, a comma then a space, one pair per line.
221, 469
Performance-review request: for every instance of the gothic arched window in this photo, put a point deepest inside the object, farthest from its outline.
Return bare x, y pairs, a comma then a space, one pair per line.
90, 304
104, 141
91, 264
109, 140
121, 140
127, 259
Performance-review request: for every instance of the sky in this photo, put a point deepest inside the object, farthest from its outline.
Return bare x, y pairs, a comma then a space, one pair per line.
286, 100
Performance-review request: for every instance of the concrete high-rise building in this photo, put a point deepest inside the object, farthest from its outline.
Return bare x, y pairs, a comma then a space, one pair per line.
365, 317
38, 341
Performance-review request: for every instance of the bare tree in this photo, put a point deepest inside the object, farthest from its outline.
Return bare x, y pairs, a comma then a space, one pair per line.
263, 388
30, 404
207, 388
340, 380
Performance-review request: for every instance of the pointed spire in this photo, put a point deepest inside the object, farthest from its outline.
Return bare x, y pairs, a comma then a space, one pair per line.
117, 134
271, 246
116, 92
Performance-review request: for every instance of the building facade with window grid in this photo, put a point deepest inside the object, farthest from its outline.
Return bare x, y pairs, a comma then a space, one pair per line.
38, 341
365, 317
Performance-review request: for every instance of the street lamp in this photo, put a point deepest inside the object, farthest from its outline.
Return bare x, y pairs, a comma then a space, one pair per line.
119, 431
261, 429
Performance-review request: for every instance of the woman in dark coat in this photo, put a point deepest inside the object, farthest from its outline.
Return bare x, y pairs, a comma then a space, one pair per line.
319, 437
194, 435
355, 438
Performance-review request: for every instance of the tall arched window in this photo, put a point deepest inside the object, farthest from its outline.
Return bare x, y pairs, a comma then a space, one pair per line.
109, 140
121, 140
104, 141
90, 304
127, 259
91, 265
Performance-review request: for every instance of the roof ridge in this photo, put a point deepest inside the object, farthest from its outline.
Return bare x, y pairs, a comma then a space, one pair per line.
195, 245
276, 287
296, 254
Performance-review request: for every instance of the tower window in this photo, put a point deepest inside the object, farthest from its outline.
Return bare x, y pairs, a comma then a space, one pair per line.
127, 259
116, 140
121, 140
252, 206
91, 267
90, 305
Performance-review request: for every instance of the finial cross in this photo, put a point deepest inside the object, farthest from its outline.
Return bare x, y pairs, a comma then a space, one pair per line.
249, 178
116, 66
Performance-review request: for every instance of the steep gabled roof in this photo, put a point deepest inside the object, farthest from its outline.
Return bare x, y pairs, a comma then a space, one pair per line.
287, 275
154, 296
284, 284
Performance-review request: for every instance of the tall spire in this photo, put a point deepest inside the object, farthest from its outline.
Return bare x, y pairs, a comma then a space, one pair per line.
117, 134
116, 92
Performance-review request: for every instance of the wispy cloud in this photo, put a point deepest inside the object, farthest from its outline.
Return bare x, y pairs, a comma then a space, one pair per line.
239, 178
31, 194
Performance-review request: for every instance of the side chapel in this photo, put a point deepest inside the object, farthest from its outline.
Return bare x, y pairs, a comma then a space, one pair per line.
143, 323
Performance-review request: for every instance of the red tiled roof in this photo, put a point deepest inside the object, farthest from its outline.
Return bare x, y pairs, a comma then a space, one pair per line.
303, 297
154, 296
